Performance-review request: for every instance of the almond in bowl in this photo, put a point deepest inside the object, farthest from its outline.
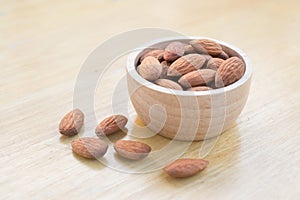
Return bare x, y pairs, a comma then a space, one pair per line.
201, 83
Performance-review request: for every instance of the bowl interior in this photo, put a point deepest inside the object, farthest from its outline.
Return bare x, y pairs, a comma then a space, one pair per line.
134, 61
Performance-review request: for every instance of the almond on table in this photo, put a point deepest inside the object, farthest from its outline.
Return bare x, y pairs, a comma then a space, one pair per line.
111, 125
71, 123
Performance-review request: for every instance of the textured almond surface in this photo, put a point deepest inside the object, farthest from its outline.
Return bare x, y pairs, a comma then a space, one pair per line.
186, 64
132, 150
168, 84
196, 78
199, 88
156, 53
229, 72
206, 46
223, 55
185, 167
88, 147
174, 50
214, 63
188, 49
150, 68
111, 125
71, 123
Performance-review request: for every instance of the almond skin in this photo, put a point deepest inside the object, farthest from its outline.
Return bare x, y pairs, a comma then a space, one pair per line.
223, 55
71, 123
173, 51
188, 49
206, 46
186, 64
89, 147
214, 63
185, 167
165, 66
168, 84
132, 150
150, 68
229, 72
156, 53
196, 78
111, 125
199, 88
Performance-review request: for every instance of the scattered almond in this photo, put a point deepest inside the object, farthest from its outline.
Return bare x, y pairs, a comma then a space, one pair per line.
132, 150
111, 125
89, 147
71, 123
185, 167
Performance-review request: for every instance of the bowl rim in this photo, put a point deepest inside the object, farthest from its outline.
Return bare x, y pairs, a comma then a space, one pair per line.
134, 74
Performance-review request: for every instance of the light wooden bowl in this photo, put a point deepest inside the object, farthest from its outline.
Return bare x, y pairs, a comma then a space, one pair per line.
187, 115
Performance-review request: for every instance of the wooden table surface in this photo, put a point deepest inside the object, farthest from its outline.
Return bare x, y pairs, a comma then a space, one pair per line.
42, 47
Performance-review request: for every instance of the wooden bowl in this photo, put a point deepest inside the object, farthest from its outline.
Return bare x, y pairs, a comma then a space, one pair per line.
187, 115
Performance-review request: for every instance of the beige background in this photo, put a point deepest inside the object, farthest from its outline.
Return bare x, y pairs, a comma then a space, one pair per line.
42, 46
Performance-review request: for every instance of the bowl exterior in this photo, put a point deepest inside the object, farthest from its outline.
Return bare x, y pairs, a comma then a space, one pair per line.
187, 117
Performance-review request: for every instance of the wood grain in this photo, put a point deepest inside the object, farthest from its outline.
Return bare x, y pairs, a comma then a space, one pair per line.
42, 47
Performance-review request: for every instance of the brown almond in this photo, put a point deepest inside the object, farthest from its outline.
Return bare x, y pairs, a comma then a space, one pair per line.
199, 88
165, 66
186, 64
229, 72
71, 123
173, 51
111, 125
188, 49
156, 53
132, 150
223, 55
168, 84
89, 147
185, 167
197, 78
206, 46
150, 68
214, 63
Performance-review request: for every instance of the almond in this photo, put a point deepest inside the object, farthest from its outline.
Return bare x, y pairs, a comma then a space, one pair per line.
173, 51
185, 167
206, 46
89, 147
165, 66
71, 123
188, 49
199, 88
214, 63
199, 77
150, 68
223, 55
168, 84
111, 125
229, 72
156, 53
132, 150
186, 64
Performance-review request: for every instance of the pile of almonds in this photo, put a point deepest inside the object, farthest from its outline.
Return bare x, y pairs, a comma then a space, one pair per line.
95, 147
199, 65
